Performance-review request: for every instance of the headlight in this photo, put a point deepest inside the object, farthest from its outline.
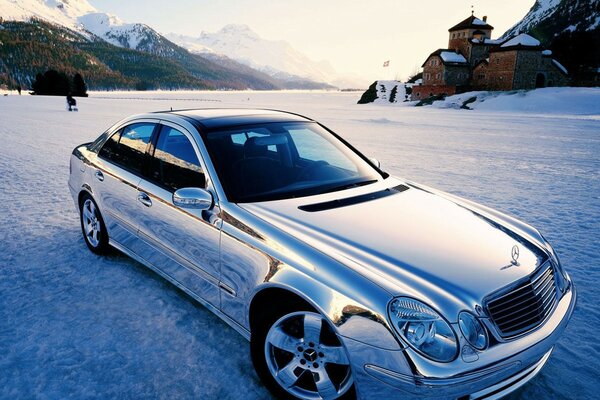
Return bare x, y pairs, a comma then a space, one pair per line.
472, 330
423, 329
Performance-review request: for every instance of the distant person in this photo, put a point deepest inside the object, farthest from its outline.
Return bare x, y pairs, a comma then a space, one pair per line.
19, 89
71, 103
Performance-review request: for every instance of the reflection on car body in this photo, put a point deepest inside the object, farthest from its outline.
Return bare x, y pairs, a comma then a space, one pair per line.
347, 281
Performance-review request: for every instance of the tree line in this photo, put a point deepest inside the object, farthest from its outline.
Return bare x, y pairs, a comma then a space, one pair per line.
55, 83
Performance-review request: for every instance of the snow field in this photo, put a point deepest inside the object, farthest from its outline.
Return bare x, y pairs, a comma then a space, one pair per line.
74, 325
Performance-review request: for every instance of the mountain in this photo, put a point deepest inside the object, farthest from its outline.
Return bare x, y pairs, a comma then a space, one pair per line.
571, 29
32, 47
58, 12
118, 54
277, 58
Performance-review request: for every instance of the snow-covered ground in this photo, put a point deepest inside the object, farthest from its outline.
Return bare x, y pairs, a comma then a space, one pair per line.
74, 325
553, 101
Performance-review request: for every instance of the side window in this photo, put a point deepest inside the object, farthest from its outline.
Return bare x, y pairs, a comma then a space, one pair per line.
110, 150
127, 147
175, 164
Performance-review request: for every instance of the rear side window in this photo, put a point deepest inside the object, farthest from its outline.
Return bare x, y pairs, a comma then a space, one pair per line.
127, 147
175, 164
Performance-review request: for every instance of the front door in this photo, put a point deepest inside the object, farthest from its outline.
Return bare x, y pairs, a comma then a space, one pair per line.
116, 174
182, 243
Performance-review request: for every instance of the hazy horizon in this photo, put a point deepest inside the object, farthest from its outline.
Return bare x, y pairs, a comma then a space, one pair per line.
355, 38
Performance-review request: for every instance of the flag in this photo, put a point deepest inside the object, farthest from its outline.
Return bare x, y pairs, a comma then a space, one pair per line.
386, 63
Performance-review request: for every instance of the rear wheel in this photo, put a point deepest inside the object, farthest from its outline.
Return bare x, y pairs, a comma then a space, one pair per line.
298, 356
92, 226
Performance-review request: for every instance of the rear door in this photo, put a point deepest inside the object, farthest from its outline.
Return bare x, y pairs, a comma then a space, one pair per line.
182, 243
116, 175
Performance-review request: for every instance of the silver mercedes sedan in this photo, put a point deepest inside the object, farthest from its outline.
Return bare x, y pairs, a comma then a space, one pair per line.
347, 282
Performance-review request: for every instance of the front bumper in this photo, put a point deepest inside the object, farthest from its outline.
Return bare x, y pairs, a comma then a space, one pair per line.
387, 374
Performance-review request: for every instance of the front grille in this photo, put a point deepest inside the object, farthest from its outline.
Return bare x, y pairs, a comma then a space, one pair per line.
521, 308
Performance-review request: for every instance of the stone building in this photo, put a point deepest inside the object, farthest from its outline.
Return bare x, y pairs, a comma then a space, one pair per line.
474, 61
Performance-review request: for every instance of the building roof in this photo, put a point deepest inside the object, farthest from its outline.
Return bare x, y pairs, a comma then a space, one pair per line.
449, 57
522, 40
487, 42
519, 42
471, 23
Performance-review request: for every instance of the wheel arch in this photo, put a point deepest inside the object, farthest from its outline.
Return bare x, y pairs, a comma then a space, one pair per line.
85, 190
347, 316
278, 293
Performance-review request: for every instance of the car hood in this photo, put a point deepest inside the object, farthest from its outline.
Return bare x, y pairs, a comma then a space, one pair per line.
411, 241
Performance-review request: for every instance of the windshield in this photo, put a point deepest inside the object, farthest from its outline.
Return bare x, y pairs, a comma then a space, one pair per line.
283, 160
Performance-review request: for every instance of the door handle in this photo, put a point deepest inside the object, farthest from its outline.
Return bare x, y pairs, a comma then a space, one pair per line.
99, 175
144, 199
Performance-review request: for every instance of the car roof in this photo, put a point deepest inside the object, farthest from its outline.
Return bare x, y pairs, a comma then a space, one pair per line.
216, 118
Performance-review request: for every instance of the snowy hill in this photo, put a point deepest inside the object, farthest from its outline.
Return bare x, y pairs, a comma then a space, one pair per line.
274, 57
81, 16
113, 30
59, 12
555, 101
386, 92
583, 15
540, 11
85, 20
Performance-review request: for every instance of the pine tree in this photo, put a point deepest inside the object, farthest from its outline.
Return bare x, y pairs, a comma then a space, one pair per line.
79, 86
393, 94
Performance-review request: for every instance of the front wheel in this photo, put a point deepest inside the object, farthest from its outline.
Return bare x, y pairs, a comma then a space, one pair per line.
92, 226
299, 356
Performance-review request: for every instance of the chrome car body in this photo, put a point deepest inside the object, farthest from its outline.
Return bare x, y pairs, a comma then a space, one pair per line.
348, 254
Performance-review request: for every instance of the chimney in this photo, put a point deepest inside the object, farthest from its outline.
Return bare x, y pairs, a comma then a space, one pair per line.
485, 18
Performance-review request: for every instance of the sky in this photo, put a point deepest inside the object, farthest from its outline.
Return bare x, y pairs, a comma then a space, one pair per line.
355, 36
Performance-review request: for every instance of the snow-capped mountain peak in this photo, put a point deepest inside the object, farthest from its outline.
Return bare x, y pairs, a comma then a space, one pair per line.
236, 41
113, 30
580, 12
79, 15
236, 30
277, 58
60, 12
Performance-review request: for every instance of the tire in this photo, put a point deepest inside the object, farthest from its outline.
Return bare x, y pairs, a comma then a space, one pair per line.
92, 225
298, 363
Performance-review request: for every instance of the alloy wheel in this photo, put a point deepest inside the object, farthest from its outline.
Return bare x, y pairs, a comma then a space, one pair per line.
92, 226
306, 358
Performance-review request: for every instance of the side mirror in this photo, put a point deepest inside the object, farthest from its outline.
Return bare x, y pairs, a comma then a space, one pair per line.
375, 162
196, 198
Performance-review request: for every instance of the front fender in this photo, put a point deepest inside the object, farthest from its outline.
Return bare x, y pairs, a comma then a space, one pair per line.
257, 256
351, 318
